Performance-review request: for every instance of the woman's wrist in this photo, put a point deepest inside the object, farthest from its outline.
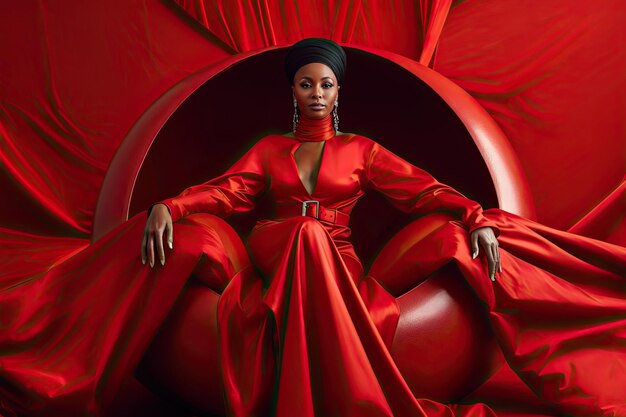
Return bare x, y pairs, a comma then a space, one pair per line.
156, 206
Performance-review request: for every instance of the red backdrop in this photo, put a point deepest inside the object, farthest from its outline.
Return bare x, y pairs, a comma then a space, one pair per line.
74, 78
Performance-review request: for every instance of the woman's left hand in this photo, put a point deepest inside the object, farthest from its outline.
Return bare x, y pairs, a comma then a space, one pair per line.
486, 238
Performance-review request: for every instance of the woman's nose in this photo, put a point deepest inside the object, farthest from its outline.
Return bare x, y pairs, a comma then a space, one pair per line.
317, 92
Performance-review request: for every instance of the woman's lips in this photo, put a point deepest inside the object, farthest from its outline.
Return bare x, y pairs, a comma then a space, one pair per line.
316, 106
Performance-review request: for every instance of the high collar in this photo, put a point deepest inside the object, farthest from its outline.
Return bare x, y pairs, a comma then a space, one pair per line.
315, 130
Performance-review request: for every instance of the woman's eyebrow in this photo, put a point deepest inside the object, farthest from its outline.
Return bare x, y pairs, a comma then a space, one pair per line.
311, 79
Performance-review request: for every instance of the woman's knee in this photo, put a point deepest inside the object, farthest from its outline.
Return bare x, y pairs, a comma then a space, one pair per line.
219, 249
213, 231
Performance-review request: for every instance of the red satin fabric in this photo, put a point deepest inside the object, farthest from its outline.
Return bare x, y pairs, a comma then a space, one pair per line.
250, 25
65, 110
71, 336
549, 74
557, 309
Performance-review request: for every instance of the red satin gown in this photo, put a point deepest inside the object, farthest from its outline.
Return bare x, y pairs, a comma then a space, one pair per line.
296, 336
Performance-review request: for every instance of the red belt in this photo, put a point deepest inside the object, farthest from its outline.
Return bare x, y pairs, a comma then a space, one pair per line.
313, 209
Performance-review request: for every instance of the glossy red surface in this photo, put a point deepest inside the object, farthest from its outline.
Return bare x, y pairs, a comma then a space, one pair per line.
183, 362
444, 345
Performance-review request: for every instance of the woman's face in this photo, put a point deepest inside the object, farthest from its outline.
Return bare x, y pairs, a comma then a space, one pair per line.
315, 89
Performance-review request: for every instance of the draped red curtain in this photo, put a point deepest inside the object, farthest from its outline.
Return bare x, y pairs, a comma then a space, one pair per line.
73, 79
407, 28
433, 15
552, 74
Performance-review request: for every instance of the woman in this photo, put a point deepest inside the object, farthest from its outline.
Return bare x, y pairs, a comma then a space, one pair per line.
285, 336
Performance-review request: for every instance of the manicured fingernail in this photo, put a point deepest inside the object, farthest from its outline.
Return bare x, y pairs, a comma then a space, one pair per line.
493, 278
170, 244
143, 261
474, 255
151, 263
162, 261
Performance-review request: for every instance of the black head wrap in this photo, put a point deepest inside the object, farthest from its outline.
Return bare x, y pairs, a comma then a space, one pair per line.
320, 50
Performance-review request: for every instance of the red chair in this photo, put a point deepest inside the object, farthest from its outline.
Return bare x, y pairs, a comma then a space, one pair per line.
185, 134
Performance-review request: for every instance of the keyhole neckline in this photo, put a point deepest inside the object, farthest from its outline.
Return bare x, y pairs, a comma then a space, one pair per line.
320, 164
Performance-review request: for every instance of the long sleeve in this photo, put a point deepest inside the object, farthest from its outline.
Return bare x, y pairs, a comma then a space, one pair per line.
413, 190
231, 192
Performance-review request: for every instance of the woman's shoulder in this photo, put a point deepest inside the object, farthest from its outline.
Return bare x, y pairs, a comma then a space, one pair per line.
272, 140
354, 137
358, 140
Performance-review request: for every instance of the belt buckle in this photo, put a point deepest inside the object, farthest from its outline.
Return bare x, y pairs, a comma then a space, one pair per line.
307, 203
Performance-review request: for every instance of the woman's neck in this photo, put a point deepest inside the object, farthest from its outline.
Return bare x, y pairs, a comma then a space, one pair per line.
315, 130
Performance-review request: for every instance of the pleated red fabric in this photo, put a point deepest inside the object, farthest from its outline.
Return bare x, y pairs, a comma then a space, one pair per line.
296, 336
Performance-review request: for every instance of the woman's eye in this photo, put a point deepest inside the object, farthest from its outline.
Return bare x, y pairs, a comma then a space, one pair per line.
325, 85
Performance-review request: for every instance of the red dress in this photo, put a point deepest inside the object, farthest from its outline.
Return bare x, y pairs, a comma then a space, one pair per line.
297, 338
306, 327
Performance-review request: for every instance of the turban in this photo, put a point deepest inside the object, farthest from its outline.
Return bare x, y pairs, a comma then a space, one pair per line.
319, 50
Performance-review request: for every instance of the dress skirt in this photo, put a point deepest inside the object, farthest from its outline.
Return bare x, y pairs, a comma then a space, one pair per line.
558, 311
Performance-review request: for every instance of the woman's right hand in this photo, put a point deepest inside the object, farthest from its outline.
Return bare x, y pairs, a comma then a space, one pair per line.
159, 222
